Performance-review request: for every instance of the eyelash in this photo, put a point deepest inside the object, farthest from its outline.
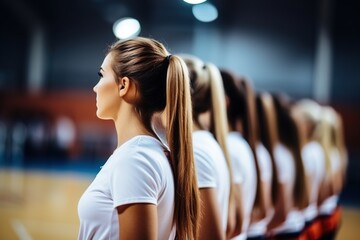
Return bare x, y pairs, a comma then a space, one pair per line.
100, 74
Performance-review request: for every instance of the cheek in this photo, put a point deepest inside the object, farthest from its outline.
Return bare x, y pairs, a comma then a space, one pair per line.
107, 99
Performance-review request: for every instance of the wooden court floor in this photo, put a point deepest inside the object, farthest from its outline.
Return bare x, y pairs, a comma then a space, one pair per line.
42, 205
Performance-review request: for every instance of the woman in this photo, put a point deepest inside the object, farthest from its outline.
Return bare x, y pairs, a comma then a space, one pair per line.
263, 209
144, 190
314, 161
329, 211
241, 154
291, 196
213, 165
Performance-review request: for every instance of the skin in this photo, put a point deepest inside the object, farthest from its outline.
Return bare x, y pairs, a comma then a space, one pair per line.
258, 214
138, 221
211, 226
236, 213
282, 205
115, 101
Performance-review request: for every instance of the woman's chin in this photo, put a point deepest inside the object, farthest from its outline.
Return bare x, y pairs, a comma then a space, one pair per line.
101, 116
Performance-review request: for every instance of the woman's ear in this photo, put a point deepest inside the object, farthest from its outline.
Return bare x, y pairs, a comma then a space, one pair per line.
128, 90
124, 85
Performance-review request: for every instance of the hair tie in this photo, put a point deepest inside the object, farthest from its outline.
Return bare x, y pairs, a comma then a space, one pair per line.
166, 61
168, 57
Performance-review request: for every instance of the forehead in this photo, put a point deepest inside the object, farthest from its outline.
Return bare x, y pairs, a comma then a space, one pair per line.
107, 62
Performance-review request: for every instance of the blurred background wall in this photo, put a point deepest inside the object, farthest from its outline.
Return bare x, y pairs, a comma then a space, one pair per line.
50, 52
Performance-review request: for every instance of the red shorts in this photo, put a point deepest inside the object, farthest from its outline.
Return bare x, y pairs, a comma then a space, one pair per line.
314, 230
330, 223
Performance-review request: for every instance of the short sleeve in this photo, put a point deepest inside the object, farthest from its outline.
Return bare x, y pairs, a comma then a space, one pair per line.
284, 162
239, 153
135, 180
205, 171
236, 167
264, 161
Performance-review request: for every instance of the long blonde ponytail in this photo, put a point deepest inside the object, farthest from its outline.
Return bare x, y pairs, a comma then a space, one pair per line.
179, 136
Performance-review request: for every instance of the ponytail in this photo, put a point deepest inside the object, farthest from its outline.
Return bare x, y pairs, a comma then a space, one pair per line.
290, 136
301, 192
323, 135
252, 136
179, 137
219, 123
269, 135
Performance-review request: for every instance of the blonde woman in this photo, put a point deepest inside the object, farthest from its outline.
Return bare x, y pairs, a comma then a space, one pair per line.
329, 211
314, 161
145, 190
212, 160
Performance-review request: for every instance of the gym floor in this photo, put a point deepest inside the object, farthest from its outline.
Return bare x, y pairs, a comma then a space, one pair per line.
42, 204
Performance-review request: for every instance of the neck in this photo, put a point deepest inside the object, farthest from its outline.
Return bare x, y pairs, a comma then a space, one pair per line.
238, 126
128, 124
196, 127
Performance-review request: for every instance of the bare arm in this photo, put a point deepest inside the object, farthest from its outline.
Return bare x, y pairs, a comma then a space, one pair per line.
265, 205
210, 223
236, 214
138, 221
326, 189
282, 206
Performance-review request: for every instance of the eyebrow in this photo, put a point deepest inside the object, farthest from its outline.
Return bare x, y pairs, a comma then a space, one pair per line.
101, 69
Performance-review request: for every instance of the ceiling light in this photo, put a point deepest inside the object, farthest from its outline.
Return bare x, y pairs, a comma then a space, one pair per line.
205, 12
126, 28
194, 1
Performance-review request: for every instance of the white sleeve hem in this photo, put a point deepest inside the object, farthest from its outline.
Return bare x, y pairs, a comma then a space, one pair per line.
134, 201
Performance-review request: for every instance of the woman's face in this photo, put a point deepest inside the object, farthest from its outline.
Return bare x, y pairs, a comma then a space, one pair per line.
107, 91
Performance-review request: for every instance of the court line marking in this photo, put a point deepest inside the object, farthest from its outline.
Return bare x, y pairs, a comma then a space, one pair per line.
20, 230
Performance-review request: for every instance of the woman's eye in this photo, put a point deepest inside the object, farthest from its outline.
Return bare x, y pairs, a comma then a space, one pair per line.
100, 74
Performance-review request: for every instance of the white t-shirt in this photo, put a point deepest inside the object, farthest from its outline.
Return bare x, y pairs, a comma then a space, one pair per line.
244, 169
294, 222
137, 172
264, 160
314, 163
212, 170
285, 166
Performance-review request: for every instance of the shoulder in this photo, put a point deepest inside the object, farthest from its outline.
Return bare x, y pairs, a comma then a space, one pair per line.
206, 150
282, 152
140, 147
140, 154
239, 147
205, 143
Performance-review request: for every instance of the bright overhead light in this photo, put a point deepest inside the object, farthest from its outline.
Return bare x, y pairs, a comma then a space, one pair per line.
126, 28
205, 12
194, 1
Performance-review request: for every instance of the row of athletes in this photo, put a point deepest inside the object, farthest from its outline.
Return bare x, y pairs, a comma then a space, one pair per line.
201, 155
